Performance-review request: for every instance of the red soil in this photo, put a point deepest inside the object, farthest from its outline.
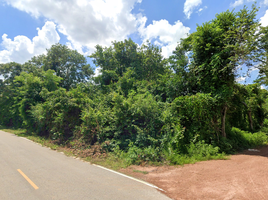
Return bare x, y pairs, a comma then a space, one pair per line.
243, 176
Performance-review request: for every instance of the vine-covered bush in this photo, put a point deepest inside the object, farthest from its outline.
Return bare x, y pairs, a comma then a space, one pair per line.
138, 118
197, 114
60, 114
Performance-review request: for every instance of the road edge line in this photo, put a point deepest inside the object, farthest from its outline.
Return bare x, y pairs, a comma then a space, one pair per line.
149, 184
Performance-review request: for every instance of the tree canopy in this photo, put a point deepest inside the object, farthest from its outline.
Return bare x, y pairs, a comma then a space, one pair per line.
68, 64
146, 61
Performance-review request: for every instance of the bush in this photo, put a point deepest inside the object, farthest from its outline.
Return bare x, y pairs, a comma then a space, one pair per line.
138, 118
136, 155
198, 151
59, 115
238, 140
196, 113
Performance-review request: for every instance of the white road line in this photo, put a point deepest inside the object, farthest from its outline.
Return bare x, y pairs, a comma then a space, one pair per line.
151, 185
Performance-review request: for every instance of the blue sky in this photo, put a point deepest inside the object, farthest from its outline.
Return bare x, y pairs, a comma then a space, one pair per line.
29, 27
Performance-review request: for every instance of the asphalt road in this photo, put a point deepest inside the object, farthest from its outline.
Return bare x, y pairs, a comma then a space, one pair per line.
32, 172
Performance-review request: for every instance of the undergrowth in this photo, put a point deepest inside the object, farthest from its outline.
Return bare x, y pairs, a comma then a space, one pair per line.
237, 140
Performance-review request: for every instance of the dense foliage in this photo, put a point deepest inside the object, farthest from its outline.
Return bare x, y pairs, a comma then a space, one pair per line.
142, 106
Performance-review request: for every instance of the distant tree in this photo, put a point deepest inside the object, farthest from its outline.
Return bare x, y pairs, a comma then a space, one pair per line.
248, 103
146, 61
9, 70
68, 64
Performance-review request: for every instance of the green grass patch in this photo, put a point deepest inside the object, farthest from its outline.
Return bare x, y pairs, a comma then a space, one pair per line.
19, 132
110, 161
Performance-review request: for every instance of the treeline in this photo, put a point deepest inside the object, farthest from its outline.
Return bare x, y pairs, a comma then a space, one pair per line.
143, 106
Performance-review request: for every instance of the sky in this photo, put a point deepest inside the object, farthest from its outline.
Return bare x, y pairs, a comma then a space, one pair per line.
29, 27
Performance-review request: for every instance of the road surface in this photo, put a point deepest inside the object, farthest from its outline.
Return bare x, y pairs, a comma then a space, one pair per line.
32, 172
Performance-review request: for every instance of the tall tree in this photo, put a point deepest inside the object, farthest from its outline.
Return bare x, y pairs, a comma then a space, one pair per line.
218, 47
263, 56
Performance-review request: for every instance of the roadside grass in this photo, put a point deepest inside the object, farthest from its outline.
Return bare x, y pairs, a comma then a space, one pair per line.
31, 136
116, 160
110, 160
119, 159
15, 131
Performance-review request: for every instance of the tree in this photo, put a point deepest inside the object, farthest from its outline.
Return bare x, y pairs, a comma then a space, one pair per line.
29, 90
217, 48
184, 81
146, 61
9, 71
248, 103
115, 59
9, 113
68, 64
263, 56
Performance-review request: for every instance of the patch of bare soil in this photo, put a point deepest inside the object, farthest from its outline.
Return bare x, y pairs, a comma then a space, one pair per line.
244, 176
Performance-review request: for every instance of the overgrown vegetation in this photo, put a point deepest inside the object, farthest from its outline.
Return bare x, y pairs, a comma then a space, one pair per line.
144, 108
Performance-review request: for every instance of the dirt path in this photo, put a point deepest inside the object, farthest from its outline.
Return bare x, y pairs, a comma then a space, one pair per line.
244, 176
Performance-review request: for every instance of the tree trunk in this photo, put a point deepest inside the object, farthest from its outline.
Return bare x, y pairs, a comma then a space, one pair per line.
224, 110
249, 116
250, 120
214, 122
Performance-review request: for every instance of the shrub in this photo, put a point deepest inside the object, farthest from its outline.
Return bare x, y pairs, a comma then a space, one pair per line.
198, 151
59, 115
238, 140
196, 113
137, 118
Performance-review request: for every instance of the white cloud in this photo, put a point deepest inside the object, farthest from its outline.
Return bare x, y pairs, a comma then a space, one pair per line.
97, 72
202, 9
237, 3
240, 2
254, 68
86, 23
199, 12
164, 34
189, 6
22, 48
265, 2
240, 79
264, 19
